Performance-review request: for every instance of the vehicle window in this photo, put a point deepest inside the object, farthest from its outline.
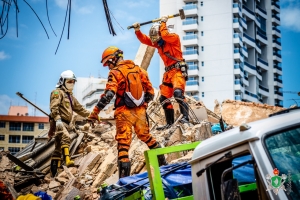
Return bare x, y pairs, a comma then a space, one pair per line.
284, 150
246, 176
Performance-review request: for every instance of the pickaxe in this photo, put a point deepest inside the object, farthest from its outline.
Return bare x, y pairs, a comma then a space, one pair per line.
181, 14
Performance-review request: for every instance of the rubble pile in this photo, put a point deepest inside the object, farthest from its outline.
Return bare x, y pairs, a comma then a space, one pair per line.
94, 150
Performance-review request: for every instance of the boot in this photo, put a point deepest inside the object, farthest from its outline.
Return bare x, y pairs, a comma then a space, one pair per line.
124, 169
66, 154
161, 158
55, 164
169, 114
184, 109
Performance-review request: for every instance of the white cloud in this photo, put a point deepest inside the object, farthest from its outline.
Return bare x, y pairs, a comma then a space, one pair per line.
136, 4
3, 55
126, 37
290, 18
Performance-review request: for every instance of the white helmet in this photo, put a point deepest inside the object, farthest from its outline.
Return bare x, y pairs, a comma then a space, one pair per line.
154, 32
68, 74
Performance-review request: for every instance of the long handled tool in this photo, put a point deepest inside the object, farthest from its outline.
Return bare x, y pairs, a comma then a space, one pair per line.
180, 14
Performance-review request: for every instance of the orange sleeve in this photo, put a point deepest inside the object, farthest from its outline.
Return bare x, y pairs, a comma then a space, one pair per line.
112, 82
166, 36
147, 85
145, 39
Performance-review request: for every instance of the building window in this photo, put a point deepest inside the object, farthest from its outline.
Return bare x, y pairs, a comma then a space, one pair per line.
2, 124
201, 18
2, 148
201, 3
202, 94
2, 137
28, 126
202, 78
202, 48
202, 63
41, 125
14, 126
13, 150
27, 138
14, 139
202, 34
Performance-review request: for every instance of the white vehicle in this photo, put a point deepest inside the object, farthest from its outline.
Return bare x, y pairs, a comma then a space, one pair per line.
264, 145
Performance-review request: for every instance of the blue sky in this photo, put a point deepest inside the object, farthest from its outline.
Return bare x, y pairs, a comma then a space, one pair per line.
29, 65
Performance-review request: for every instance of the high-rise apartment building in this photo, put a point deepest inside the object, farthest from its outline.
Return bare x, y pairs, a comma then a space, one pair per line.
232, 47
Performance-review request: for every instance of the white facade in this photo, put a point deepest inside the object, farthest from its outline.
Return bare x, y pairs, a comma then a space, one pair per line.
88, 91
232, 48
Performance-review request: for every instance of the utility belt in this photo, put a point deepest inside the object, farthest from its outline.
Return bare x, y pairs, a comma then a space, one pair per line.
179, 65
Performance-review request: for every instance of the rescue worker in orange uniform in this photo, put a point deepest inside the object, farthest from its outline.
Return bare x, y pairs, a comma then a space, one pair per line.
133, 91
174, 79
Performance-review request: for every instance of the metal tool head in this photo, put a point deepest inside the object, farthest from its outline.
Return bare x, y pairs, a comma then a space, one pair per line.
181, 14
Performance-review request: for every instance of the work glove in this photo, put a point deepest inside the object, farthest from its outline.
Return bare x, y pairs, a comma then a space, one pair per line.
136, 26
94, 115
59, 125
164, 18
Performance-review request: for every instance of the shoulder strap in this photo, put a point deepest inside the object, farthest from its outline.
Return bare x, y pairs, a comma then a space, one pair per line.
169, 56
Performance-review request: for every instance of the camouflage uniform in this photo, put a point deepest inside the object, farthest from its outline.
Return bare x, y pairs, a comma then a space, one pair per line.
62, 105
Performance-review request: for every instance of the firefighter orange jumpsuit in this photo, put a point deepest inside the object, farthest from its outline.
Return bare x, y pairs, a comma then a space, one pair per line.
173, 82
127, 117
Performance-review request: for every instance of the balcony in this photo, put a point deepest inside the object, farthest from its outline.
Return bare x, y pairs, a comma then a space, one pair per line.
238, 85
263, 91
262, 12
277, 70
237, 97
190, 10
249, 40
187, 1
192, 86
257, 21
262, 63
277, 57
275, 7
238, 70
258, 47
243, 22
249, 13
275, 20
190, 55
237, 55
190, 25
190, 40
236, 9
278, 82
262, 37
251, 96
276, 44
245, 51
278, 95
246, 81
193, 70
276, 32
237, 39
251, 69
237, 25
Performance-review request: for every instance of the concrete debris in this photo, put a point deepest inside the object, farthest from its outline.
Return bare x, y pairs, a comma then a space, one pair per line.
94, 149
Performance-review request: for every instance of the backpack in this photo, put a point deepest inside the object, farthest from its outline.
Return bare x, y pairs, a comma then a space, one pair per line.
134, 92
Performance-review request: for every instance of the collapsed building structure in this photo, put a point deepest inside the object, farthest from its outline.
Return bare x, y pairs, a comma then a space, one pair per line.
95, 152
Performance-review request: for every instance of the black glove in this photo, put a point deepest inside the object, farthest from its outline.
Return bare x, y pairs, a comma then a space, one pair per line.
148, 97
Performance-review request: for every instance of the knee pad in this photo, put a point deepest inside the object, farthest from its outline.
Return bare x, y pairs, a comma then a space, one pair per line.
178, 94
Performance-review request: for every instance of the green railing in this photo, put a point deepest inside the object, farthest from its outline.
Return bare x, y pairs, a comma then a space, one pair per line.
153, 168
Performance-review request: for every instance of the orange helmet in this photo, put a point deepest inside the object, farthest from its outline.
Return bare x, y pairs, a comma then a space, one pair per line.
109, 53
